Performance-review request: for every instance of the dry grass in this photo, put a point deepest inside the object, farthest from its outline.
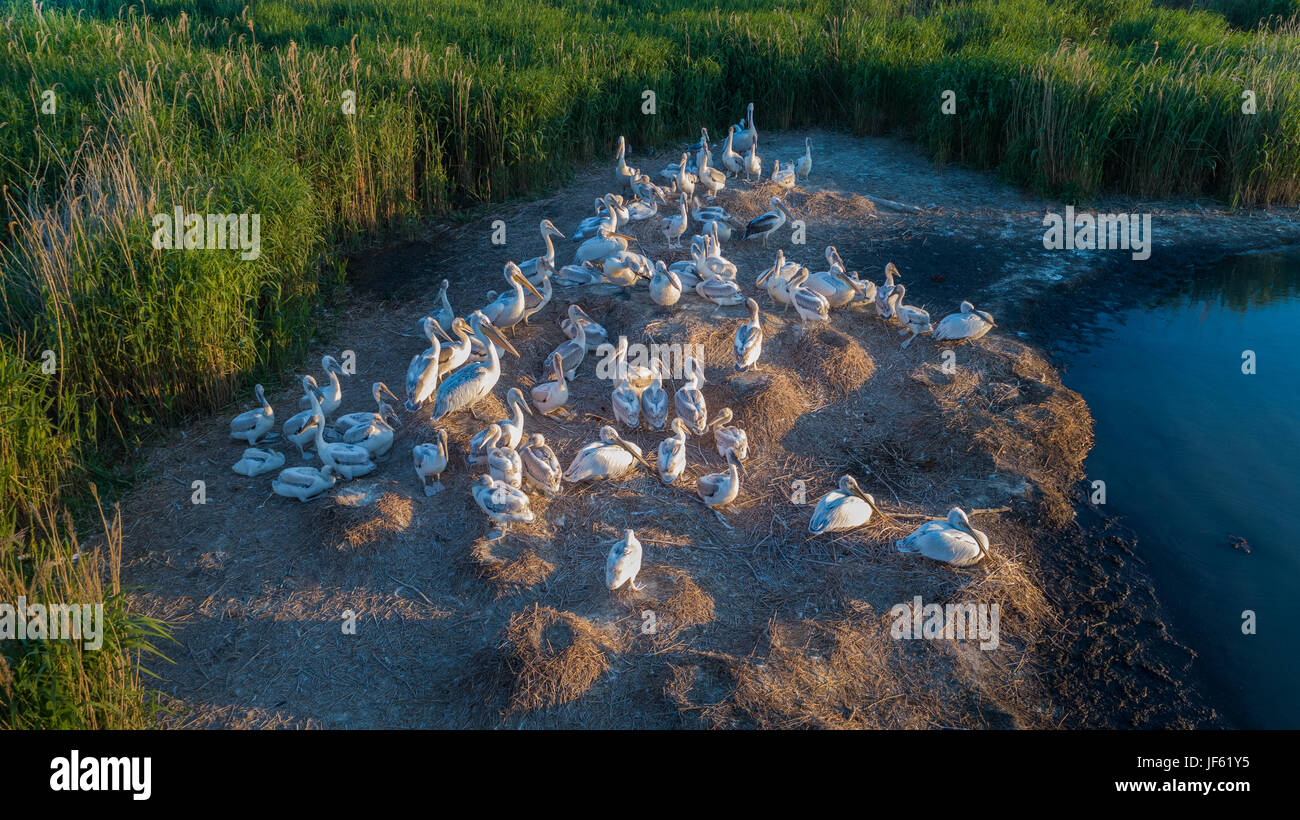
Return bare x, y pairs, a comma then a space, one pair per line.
369, 517
555, 657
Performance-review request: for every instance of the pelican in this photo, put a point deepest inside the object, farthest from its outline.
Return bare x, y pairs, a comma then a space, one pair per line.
304, 483
624, 173
708, 213
747, 135
808, 303
626, 404
689, 400
537, 267
455, 354
953, 540
255, 462
534, 304
675, 226
594, 334
607, 242
430, 462
720, 489
616, 207
482, 444
765, 224
552, 395
777, 278
332, 393
571, 351
967, 326
837, 285
473, 382
688, 270
639, 210
300, 429
672, 453
665, 286
383, 410
422, 372
844, 509
719, 291
783, 177
685, 181
638, 376
626, 269
714, 262
376, 435
729, 439
508, 308
884, 307
748, 345
781, 268
348, 460
733, 162
505, 465
611, 457
592, 224
503, 504
711, 178
444, 315
253, 424
541, 467
803, 166
512, 429
588, 273
753, 163
654, 399
646, 191
623, 563
913, 318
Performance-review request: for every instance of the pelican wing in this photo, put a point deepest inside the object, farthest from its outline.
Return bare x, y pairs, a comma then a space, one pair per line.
690, 405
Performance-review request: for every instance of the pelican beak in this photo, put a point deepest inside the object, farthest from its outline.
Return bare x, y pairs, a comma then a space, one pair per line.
758, 282
437, 328
391, 416
383, 389
623, 236
634, 450
523, 280
335, 367
497, 339
883, 515
320, 395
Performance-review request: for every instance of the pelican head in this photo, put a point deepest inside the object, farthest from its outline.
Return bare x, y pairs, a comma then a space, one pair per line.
891, 271
515, 276
482, 326
549, 229
959, 520
610, 436
724, 415
515, 396
309, 386
331, 365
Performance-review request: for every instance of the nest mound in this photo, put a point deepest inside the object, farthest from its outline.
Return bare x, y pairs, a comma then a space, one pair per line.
688, 605
509, 574
367, 516
554, 656
835, 359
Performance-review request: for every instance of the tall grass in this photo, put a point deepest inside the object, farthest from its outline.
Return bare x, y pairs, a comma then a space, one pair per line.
463, 102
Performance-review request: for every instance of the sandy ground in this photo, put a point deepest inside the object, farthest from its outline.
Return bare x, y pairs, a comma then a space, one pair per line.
754, 624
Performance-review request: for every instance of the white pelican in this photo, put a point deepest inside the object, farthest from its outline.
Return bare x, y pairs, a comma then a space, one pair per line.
675, 226
383, 411
685, 181
766, 224
626, 269
473, 382
623, 563
504, 464
430, 462
733, 162
512, 429
803, 166
639, 210
808, 303
782, 268
304, 483
594, 334
482, 444
778, 278
611, 457
689, 400
537, 267
348, 460
607, 242
747, 135
654, 399
638, 375
443, 314
688, 270
783, 177
720, 291
753, 163
626, 404
253, 424
588, 273
913, 318
571, 351
552, 395
624, 173
953, 540
541, 467
454, 354
837, 285
729, 439
332, 393
509, 307
714, 262
708, 213
968, 325
618, 209
503, 504
748, 345
534, 304
255, 462
711, 178
590, 226
884, 306
844, 509
300, 429
422, 372
665, 286
376, 435
720, 489
672, 453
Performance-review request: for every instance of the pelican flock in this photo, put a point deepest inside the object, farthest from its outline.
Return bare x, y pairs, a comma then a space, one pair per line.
462, 363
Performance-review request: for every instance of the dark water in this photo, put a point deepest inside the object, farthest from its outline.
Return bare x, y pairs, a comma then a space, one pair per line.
1193, 451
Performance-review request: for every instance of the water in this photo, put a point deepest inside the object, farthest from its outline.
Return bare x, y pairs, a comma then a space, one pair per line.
1194, 451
